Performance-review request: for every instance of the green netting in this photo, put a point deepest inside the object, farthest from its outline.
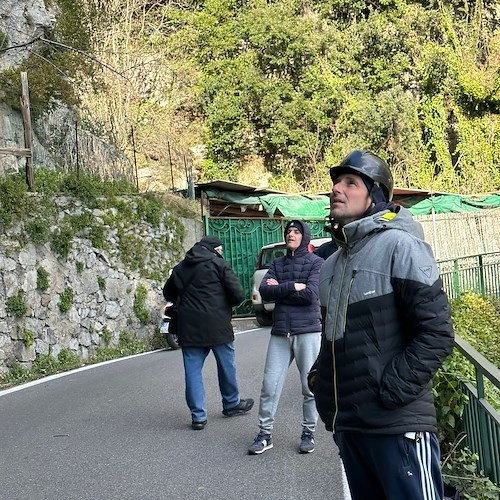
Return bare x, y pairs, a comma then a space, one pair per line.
454, 203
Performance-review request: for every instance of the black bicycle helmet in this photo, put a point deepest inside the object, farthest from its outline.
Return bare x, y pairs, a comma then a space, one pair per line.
368, 165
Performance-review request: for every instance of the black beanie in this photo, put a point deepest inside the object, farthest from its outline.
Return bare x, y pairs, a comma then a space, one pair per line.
211, 242
367, 182
296, 225
376, 193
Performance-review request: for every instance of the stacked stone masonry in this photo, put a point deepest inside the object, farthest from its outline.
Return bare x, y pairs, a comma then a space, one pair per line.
94, 307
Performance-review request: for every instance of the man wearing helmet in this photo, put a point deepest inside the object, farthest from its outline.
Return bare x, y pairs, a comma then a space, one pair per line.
386, 331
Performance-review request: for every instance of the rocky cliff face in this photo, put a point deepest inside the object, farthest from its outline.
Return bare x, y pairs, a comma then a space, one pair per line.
23, 22
86, 300
58, 140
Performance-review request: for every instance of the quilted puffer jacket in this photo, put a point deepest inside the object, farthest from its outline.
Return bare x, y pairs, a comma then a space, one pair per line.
295, 312
387, 328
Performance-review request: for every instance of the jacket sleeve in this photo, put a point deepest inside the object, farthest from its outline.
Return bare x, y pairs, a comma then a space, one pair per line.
272, 293
426, 319
234, 291
310, 294
170, 291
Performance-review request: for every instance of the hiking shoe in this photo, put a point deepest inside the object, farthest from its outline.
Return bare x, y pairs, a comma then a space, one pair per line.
198, 425
244, 406
263, 442
306, 442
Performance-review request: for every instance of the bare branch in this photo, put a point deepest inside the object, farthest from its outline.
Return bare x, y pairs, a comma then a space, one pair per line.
86, 54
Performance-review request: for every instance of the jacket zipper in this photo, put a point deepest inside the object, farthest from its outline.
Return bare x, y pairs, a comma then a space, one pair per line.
333, 337
344, 318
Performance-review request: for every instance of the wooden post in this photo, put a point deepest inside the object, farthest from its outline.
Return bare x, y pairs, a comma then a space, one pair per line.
28, 143
77, 151
170, 162
15, 152
135, 158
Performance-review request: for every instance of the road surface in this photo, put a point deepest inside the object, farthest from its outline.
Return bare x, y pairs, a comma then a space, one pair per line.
121, 430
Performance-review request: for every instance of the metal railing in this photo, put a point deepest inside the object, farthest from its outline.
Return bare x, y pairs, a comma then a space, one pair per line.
481, 421
473, 273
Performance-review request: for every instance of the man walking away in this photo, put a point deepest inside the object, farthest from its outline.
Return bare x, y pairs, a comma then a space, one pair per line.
204, 288
386, 331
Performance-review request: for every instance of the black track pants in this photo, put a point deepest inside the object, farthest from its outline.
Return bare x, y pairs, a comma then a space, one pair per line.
391, 467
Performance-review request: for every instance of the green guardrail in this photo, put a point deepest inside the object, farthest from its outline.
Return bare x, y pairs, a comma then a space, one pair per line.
481, 421
478, 273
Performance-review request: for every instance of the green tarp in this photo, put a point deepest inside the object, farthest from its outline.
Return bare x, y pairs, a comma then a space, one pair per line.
311, 207
307, 207
453, 203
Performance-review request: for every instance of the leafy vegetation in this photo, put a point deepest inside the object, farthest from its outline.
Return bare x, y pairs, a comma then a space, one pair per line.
139, 300
58, 59
42, 279
102, 283
4, 40
66, 300
277, 91
66, 360
28, 337
106, 336
123, 211
16, 305
476, 320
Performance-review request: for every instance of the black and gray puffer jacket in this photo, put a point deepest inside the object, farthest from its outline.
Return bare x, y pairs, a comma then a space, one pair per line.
295, 312
386, 331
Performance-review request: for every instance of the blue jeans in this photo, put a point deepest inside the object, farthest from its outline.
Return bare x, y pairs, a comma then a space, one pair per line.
194, 358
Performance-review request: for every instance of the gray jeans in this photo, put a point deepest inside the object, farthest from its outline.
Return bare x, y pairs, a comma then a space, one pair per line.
281, 351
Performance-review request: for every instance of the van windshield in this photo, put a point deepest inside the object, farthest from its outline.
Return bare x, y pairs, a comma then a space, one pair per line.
271, 254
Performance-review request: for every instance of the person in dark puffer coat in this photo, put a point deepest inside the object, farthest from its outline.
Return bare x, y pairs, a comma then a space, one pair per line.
386, 331
204, 288
292, 283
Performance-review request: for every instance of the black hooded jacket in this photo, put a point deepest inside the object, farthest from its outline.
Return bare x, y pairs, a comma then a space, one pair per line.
205, 289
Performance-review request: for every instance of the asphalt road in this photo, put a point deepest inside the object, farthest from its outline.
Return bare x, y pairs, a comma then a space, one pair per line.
122, 431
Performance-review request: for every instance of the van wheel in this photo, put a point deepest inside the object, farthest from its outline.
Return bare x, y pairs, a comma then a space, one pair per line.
263, 318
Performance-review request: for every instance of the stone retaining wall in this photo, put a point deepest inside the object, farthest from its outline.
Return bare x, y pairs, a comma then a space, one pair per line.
103, 294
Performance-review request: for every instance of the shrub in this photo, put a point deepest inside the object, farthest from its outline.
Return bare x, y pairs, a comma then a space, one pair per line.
16, 305
475, 319
28, 338
66, 300
106, 336
102, 283
14, 200
62, 241
38, 231
4, 40
42, 279
139, 300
